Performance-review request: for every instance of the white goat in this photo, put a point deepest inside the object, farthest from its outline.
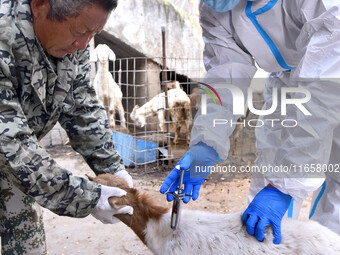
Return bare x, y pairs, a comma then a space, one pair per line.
107, 89
203, 233
179, 104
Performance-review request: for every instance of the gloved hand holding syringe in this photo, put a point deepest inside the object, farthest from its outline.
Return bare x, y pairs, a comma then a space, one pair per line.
201, 156
177, 204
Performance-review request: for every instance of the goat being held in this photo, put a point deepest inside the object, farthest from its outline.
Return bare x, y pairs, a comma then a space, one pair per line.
210, 233
179, 104
107, 89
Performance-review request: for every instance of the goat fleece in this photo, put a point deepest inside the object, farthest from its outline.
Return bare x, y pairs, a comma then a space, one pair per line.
205, 233
106, 88
179, 105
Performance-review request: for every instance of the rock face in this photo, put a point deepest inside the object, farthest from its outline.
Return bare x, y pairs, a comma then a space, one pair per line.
134, 30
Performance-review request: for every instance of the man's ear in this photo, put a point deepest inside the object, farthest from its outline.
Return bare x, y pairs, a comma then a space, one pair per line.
40, 8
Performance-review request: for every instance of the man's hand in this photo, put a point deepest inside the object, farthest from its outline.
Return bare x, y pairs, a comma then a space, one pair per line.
126, 176
198, 159
103, 210
268, 207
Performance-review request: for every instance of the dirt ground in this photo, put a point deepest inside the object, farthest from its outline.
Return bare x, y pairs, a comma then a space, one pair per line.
220, 194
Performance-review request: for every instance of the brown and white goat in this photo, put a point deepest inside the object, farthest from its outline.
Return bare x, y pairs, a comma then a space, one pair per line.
202, 233
109, 93
179, 108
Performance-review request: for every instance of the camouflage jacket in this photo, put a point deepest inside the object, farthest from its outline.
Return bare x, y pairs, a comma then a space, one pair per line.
36, 91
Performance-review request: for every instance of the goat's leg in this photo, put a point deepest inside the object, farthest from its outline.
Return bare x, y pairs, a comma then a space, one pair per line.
161, 120
175, 117
177, 131
188, 120
234, 139
121, 115
111, 115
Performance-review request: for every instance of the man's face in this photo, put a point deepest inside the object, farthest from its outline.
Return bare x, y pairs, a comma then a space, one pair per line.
59, 38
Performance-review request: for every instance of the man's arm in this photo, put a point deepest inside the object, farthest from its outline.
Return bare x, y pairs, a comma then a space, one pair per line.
86, 123
308, 145
305, 148
22, 156
226, 63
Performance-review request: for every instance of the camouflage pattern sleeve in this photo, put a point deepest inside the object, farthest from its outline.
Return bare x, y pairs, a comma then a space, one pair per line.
86, 124
34, 171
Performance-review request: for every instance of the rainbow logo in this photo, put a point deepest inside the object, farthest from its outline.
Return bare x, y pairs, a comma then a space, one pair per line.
209, 93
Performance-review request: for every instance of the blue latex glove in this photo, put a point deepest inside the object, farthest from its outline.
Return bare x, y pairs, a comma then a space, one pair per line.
200, 155
268, 207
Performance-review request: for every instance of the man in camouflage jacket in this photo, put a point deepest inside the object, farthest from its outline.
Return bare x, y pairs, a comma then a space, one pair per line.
39, 86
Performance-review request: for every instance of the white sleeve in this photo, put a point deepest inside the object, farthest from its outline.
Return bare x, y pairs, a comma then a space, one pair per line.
226, 62
309, 144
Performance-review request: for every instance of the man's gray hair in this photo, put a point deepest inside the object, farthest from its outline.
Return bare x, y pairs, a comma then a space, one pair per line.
61, 9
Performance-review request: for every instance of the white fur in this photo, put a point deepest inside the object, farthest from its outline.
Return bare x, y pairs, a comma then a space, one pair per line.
203, 233
179, 104
107, 89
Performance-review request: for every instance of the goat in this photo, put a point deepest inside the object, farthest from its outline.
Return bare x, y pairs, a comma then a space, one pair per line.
195, 98
179, 104
195, 101
107, 89
209, 233
173, 85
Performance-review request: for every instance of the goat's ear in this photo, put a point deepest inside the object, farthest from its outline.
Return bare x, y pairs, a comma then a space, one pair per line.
112, 55
93, 56
118, 202
135, 108
90, 178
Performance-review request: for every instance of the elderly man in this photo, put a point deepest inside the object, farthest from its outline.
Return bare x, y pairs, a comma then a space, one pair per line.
44, 79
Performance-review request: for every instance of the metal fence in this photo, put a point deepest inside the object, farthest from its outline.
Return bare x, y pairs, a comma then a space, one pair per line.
141, 80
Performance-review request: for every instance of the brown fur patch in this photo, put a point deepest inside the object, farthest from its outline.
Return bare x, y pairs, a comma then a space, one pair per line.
144, 208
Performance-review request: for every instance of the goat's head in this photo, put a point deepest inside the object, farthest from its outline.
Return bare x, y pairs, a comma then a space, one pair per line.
113, 181
143, 206
174, 85
137, 118
102, 53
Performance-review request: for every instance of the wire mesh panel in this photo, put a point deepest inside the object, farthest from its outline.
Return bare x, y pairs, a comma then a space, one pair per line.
159, 106
158, 119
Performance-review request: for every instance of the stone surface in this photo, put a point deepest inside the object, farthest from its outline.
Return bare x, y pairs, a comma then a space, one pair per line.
134, 29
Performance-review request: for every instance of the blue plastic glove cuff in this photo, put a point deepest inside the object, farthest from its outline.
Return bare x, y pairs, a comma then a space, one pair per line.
202, 158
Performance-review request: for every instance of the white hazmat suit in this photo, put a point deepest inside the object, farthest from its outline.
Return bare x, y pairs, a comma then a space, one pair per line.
298, 43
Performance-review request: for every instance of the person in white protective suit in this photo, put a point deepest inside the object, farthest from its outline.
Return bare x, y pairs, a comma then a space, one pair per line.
298, 43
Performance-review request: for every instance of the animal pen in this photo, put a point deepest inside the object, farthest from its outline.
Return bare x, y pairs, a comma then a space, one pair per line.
142, 79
